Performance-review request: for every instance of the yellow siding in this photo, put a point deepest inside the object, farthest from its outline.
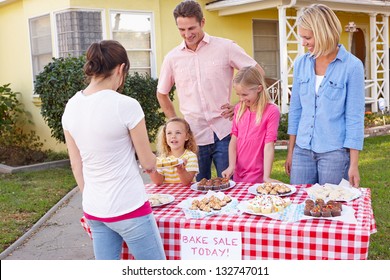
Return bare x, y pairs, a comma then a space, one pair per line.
15, 66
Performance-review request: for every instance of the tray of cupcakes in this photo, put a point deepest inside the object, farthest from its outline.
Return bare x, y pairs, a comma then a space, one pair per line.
213, 184
330, 210
265, 205
320, 208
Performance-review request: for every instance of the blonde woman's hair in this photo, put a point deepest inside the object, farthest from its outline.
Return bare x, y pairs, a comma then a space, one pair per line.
324, 24
250, 77
163, 148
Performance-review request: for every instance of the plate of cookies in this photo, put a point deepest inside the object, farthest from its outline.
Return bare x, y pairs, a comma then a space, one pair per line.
213, 184
277, 189
160, 199
166, 162
211, 203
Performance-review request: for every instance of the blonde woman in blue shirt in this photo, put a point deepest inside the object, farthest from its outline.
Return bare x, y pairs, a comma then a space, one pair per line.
326, 116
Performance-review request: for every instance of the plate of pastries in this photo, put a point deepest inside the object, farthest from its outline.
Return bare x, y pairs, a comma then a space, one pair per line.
264, 205
274, 188
213, 184
164, 162
160, 199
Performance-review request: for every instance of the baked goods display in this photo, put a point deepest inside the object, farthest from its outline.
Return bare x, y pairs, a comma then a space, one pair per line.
273, 189
267, 204
207, 204
160, 199
333, 192
319, 208
213, 184
167, 161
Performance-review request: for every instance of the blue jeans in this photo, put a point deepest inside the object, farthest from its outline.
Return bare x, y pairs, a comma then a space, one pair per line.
218, 153
141, 235
309, 167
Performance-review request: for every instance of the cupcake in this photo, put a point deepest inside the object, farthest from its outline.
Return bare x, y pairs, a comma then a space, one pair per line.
209, 185
216, 185
339, 204
320, 202
336, 211
325, 212
307, 209
316, 211
266, 208
309, 202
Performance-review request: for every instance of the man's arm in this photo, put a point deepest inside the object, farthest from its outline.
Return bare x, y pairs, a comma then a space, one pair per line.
262, 72
166, 105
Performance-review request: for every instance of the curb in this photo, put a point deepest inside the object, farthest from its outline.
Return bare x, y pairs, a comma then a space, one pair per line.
34, 167
38, 224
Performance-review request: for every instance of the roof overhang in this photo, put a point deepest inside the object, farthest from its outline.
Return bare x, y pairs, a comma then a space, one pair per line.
231, 7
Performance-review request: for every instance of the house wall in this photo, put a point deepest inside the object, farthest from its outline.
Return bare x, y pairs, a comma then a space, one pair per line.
15, 57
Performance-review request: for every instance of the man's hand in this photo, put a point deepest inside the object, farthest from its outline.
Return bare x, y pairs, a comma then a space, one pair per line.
228, 111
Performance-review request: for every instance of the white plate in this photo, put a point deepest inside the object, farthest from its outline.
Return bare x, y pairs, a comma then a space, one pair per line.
166, 199
253, 190
194, 187
342, 193
243, 207
179, 160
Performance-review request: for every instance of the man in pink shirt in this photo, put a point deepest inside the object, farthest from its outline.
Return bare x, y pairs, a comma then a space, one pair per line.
202, 68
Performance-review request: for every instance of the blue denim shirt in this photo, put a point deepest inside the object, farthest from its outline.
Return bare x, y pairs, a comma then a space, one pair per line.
333, 118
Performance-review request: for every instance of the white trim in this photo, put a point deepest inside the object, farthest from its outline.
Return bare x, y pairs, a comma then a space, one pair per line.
153, 52
231, 7
30, 47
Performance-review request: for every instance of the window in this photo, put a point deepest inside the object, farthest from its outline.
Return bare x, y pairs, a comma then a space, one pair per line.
134, 32
77, 30
266, 46
40, 40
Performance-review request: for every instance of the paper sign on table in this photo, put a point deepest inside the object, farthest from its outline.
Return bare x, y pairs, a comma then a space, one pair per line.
199, 244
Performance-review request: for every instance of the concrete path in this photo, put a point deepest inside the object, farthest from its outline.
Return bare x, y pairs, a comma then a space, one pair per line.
58, 235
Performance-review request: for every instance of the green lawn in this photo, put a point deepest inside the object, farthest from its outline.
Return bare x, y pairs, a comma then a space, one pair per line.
26, 197
374, 166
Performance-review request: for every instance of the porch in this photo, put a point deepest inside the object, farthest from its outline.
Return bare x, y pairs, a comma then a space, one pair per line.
370, 44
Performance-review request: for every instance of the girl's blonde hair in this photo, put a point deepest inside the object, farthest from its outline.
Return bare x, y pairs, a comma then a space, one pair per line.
250, 77
163, 148
325, 25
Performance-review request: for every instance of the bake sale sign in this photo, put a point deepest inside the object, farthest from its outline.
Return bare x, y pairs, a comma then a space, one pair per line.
210, 245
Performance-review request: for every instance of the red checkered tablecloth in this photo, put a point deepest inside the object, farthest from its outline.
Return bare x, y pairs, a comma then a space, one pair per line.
266, 238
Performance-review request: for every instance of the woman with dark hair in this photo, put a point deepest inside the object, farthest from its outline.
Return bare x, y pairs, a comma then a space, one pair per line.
104, 130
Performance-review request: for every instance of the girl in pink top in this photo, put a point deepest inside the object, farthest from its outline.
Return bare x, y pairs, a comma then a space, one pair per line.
255, 129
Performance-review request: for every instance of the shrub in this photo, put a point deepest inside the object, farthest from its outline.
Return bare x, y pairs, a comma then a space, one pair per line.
283, 125
17, 144
56, 84
376, 119
143, 88
10, 109
63, 77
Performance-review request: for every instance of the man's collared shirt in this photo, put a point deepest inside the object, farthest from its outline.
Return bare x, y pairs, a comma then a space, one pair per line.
203, 80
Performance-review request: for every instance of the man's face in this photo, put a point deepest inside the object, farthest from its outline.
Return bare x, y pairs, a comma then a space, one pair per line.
190, 30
